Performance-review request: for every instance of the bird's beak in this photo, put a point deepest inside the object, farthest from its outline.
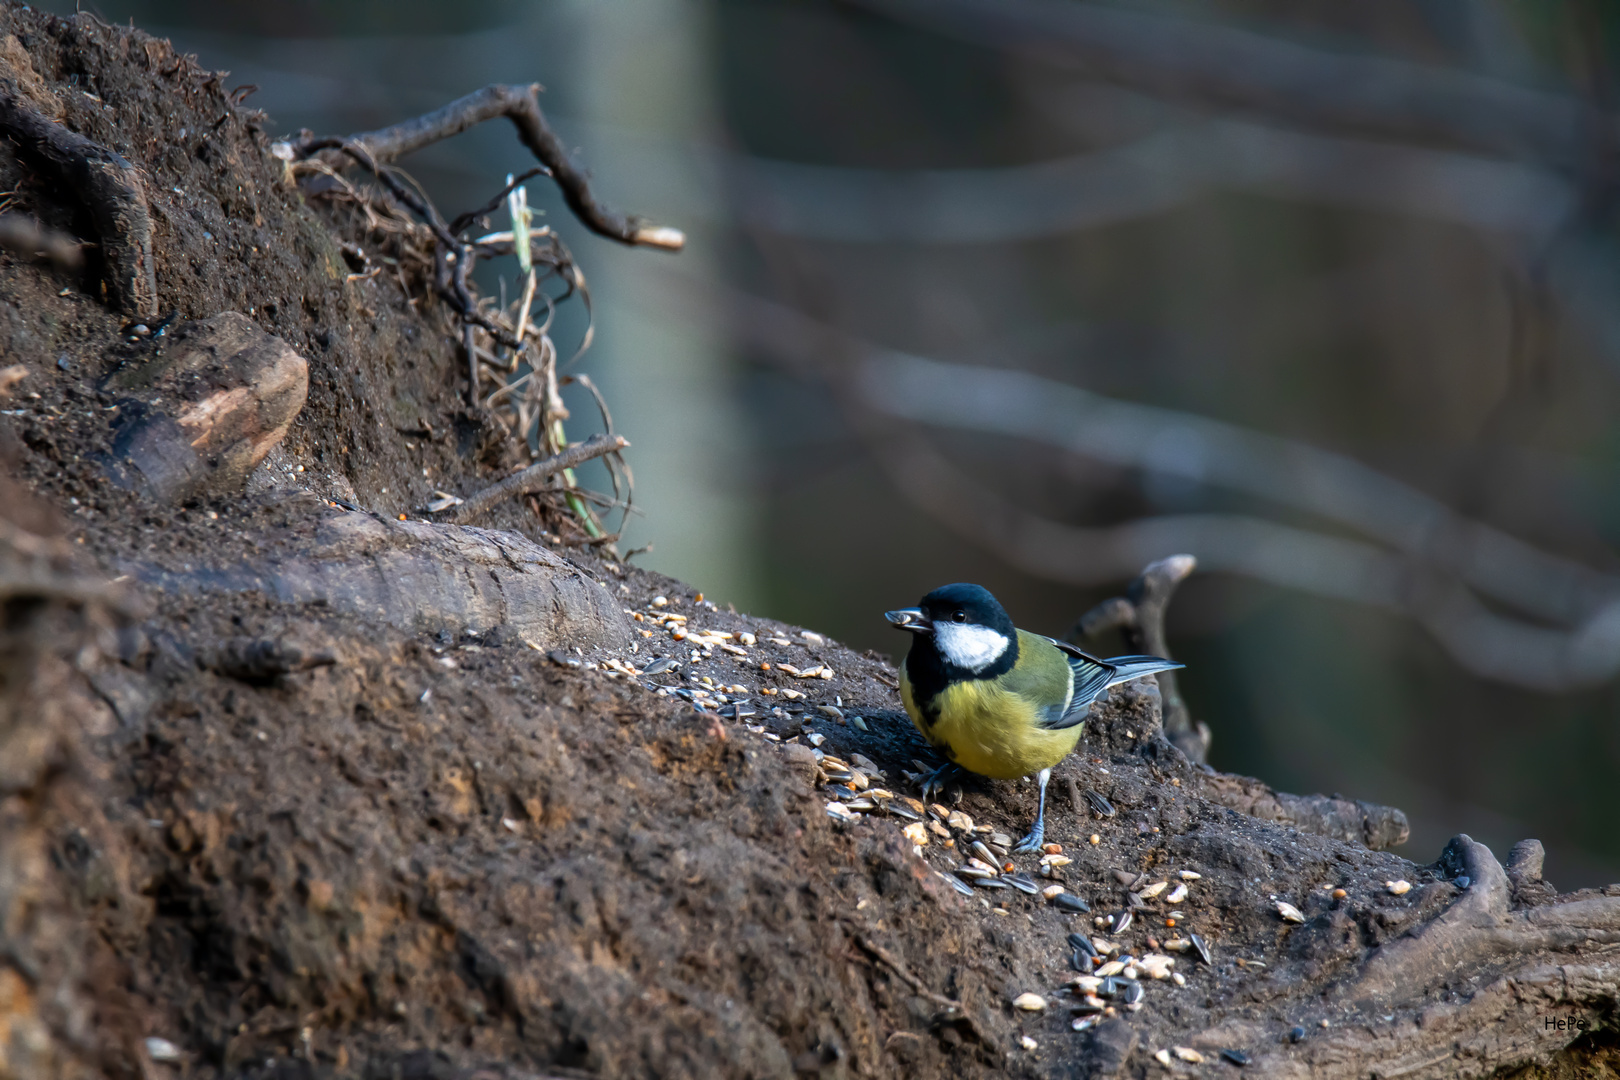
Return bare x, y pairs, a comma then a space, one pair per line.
910, 619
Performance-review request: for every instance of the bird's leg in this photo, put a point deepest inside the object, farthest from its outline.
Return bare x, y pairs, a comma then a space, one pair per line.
936, 780
1030, 844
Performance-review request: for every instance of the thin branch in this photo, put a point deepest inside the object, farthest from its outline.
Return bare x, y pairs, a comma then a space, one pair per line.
1151, 175
520, 105
534, 478
878, 952
1208, 63
876, 383
27, 237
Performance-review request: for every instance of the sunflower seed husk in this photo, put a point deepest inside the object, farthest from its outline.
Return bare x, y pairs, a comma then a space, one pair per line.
1188, 1054
1202, 947
1000, 839
841, 791
1086, 984
1099, 805
973, 873
1190, 875
1070, 903
960, 821
904, 812
990, 883
1110, 986
1023, 884
1133, 993
1083, 943
1113, 967
959, 886
841, 812
861, 804
1135, 902
985, 853
1126, 878
1177, 895
1029, 1002
1289, 912
1236, 1057
1122, 922
1150, 891
1163, 1058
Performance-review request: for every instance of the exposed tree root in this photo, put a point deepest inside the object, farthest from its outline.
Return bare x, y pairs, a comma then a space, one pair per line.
109, 187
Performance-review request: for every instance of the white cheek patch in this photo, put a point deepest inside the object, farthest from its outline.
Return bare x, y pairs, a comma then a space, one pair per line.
970, 647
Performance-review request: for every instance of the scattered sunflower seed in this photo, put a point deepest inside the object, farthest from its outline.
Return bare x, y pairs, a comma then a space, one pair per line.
1289, 912
900, 810
1188, 1054
1236, 1057
1029, 1002
983, 852
1296, 1034
1163, 1058
1153, 890
1070, 903
1086, 984
1133, 993
917, 833
1028, 1043
1190, 875
959, 886
830, 710
990, 883
1051, 891
1178, 978
1083, 943
1113, 967
1000, 839
1023, 884
1202, 948
1080, 1023
162, 1049
1099, 805
841, 812
1177, 895
1122, 922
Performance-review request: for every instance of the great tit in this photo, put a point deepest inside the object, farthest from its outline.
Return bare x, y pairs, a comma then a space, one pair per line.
996, 700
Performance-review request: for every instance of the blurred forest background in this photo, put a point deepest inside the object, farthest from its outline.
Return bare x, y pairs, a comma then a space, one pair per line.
1030, 292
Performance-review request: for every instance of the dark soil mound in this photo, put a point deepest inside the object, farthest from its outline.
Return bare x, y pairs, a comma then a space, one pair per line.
248, 827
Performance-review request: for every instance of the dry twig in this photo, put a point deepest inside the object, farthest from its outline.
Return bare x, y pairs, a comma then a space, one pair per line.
534, 478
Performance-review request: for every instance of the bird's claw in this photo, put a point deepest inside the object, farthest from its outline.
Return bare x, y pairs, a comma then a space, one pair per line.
933, 783
1031, 844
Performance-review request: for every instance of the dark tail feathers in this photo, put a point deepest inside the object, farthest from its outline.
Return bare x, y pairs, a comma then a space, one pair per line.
1127, 668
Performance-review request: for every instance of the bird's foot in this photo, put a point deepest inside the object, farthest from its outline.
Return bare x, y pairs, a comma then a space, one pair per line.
933, 783
1031, 844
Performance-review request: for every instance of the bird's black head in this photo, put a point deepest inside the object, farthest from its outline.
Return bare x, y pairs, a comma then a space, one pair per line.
961, 630
967, 604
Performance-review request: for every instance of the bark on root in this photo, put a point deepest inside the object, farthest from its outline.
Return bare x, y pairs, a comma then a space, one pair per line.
1469, 993
109, 187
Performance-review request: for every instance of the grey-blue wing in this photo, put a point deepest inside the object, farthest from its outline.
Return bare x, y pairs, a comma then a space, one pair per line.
1092, 676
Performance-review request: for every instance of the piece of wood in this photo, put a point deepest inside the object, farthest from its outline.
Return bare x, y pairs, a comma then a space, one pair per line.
200, 416
418, 576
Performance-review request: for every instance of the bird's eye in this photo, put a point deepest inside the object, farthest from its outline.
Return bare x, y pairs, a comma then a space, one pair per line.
959, 616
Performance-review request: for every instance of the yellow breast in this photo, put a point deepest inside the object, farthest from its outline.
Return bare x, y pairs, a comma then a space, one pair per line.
988, 731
